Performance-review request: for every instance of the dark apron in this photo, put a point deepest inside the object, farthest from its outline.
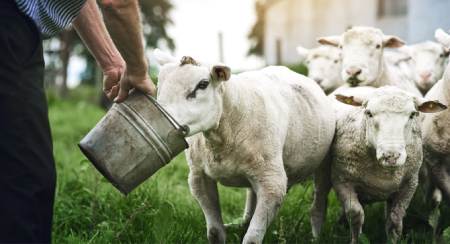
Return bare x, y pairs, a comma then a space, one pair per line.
27, 169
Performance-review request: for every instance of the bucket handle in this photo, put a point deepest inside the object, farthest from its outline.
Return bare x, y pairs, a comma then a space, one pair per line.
183, 129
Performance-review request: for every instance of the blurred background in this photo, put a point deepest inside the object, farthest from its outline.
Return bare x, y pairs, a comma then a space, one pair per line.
244, 34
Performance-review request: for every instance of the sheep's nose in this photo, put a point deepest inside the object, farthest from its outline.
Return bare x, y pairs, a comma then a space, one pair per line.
390, 157
353, 71
425, 75
318, 80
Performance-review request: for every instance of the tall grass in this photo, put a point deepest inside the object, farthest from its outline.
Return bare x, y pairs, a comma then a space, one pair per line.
89, 210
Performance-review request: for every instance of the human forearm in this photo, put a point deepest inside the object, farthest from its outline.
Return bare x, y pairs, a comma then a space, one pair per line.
120, 75
91, 29
123, 21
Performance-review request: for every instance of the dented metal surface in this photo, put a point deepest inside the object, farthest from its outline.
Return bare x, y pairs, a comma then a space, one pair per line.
132, 141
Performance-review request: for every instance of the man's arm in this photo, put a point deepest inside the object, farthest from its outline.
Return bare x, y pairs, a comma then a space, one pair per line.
91, 28
122, 18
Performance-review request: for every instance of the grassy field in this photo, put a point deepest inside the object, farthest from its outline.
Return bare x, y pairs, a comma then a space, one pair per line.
89, 210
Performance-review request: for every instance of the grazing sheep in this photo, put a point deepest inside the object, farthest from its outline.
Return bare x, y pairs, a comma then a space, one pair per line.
324, 66
377, 152
436, 133
264, 130
428, 60
362, 58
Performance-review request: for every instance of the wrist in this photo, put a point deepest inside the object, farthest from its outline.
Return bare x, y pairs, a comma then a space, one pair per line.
138, 68
112, 62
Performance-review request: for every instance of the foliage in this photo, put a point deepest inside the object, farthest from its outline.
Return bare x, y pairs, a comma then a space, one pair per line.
154, 71
446, 235
299, 68
162, 210
156, 18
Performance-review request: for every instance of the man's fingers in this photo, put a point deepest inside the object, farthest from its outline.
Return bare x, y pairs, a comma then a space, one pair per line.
117, 85
111, 79
123, 93
112, 93
147, 87
107, 85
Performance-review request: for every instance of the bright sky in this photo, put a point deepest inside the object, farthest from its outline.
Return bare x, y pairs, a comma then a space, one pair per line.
195, 32
198, 22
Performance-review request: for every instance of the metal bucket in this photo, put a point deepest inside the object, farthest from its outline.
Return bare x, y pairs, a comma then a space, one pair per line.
133, 140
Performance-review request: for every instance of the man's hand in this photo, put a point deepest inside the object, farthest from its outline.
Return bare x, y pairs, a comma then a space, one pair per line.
122, 18
118, 79
118, 82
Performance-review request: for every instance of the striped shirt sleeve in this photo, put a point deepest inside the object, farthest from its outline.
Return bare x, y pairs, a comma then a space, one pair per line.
51, 16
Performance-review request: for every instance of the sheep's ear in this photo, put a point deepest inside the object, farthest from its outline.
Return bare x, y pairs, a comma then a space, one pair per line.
442, 37
392, 41
350, 100
163, 58
430, 106
303, 53
220, 73
330, 40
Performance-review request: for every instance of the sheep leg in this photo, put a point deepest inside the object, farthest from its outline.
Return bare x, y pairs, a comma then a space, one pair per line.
441, 179
396, 208
437, 197
322, 186
270, 191
352, 207
205, 191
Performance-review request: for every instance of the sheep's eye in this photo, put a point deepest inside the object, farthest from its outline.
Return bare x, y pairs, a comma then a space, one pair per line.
378, 46
336, 61
414, 114
442, 55
368, 113
203, 84
340, 46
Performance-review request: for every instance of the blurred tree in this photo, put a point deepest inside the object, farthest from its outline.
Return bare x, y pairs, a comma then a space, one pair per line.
58, 51
52, 65
155, 18
256, 35
67, 41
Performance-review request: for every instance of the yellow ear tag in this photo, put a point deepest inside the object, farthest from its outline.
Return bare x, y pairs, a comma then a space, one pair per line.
348, 101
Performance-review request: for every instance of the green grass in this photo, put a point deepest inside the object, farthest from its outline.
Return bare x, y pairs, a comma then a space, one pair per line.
299, 68
89, 210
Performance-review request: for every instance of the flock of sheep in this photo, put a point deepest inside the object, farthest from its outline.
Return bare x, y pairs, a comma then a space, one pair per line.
269, 129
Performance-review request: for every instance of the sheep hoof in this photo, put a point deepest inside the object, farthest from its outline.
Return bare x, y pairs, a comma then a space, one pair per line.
216, 235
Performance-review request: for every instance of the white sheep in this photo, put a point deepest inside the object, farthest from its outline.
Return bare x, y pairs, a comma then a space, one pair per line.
400, 62
362, 58
263, 130
428, 61
324, 66
377, 152
436, 133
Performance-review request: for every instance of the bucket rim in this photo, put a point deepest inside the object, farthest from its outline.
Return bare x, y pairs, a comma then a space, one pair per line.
169, 117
